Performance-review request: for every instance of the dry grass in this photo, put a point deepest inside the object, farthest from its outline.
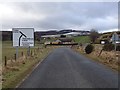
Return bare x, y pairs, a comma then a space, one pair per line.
107, 58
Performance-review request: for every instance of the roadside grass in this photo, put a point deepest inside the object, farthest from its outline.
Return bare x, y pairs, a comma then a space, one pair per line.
106, 58
82, 39
9, 51
12, 75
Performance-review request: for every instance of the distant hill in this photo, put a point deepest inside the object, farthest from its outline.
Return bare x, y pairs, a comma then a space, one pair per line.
7, 35
41, 33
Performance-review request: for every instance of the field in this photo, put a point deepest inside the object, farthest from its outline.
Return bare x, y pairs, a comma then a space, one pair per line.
9, 51
82, 39
78, 39
16, 70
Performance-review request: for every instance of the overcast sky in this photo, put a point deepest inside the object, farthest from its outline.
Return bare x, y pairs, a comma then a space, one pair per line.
102, 16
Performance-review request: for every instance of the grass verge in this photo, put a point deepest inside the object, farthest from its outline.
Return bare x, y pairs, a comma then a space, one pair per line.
112, 65
12, 75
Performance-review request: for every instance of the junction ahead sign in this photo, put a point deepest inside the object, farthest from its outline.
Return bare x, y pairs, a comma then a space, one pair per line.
23, 37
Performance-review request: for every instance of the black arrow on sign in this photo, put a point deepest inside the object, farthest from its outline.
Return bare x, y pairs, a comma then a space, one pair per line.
22, 34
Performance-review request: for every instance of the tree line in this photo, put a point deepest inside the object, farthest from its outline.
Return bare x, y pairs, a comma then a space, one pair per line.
7, 36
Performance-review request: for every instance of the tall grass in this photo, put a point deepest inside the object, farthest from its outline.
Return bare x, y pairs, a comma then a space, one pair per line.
9, 51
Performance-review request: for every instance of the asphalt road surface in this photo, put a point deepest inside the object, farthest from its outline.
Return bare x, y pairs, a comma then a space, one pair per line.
64, 68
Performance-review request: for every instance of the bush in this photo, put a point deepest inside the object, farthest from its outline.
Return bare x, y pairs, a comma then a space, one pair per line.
108, 47
89, 48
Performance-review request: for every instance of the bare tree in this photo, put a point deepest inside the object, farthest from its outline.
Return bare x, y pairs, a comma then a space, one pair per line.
93, 35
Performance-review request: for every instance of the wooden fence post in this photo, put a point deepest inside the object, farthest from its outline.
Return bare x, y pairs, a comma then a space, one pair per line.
31, 52
34, 51
5, 61
22, 54
100, 52
15, 56
45, 46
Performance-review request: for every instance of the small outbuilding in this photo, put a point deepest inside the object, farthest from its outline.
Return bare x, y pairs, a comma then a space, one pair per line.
66, 40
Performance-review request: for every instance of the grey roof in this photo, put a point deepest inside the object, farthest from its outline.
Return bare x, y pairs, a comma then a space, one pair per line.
65, 39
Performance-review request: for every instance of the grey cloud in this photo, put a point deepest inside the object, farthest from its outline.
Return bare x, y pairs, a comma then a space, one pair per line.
64, 15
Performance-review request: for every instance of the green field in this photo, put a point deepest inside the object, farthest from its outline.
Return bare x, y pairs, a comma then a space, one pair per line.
82, 39
8, 50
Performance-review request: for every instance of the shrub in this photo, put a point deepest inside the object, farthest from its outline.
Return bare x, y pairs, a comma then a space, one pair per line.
89, 48
108, 47
93, 35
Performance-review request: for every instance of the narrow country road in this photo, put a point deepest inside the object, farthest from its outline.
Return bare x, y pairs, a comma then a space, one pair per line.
64, 68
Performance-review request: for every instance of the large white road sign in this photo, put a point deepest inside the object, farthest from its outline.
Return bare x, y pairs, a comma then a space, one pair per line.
23, 37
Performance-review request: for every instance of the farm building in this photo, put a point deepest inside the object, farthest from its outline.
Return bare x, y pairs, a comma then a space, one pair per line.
56, 42
66, 40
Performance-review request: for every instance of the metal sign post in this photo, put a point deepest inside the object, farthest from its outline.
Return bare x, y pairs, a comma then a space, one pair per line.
29, 51
17, 52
